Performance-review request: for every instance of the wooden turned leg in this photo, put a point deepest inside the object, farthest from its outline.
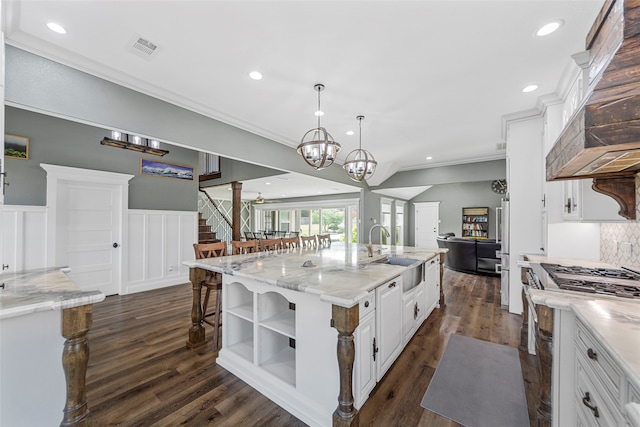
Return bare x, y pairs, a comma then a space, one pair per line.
544, 346
524, 328
345, 320
196, 331
442, 304
76, 323
216, 327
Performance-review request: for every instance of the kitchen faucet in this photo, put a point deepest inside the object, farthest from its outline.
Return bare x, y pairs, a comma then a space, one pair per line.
369, 246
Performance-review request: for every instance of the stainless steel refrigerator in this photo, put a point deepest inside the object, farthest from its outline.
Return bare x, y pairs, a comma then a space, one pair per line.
502, 230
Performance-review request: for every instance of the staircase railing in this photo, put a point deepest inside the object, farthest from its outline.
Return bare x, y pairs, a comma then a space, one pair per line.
218, 221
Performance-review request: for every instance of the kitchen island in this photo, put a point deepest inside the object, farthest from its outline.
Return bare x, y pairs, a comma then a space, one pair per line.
284, 312
589, 350
43, 316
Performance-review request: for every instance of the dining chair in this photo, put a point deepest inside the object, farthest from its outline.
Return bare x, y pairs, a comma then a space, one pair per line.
248, 235
324, 240
308, 242
212, 282
269, 245
239, 247
290, 243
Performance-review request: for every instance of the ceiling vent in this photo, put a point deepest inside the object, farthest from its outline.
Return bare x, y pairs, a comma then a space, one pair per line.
143, 47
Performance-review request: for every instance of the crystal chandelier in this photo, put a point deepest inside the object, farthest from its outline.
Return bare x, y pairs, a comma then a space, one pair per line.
317, 147
360, 163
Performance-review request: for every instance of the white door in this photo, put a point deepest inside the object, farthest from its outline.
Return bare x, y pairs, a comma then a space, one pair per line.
427, 219
88, 234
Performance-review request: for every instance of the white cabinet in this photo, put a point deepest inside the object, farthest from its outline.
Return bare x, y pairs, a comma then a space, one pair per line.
582, 203
432, 285
364, 373
409, 314
388, 324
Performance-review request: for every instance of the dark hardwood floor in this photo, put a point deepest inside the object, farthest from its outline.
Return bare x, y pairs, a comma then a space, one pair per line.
141, 373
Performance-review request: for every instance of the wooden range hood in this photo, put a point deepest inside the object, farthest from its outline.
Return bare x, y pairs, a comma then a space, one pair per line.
602, 139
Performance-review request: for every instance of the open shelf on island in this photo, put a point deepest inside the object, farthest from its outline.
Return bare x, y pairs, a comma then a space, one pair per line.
240, 337
284, 323
282, 365
277, 354
240, 301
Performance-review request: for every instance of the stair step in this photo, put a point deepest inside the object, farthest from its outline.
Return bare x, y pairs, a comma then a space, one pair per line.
204, 228
206, 236
202, 221
209, 241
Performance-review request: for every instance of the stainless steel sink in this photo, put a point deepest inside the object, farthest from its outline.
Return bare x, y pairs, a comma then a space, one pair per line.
412, 276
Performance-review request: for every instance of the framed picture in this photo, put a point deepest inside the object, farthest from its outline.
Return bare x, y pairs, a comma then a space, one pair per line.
16, 146
167, 170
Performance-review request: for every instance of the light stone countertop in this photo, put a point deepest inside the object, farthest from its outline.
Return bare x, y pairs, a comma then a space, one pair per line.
341, 274
614, 321
43, 289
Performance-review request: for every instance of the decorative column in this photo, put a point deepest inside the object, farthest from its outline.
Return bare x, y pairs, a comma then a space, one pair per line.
442, 256
76, 322
544, 346
524, 328
236, 210
196, 332
345, 320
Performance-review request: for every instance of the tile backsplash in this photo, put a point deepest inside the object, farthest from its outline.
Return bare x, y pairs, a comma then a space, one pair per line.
620, 242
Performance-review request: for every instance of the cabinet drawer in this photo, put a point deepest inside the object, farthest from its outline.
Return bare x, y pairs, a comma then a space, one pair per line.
367, 304
608, 412
599, 360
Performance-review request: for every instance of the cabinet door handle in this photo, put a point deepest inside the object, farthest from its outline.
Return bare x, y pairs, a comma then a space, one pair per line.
586, 401
392, 285
592, 354
366, 304
375, 349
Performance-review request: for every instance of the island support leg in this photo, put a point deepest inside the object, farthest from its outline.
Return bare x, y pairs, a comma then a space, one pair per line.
544, 345
196, 331
76, 323
345, 320
524, 328
442, 304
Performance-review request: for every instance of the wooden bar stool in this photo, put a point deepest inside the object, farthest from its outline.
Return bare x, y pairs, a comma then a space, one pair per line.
269, 245
290, 243
324, 240
212, 282
239, 248
308, 242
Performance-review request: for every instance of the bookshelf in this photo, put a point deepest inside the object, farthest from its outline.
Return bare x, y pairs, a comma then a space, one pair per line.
475, 223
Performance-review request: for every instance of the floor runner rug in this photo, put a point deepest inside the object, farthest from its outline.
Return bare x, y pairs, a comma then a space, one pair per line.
478, 384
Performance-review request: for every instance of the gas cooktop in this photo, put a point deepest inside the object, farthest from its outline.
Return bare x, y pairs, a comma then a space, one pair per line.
604, 281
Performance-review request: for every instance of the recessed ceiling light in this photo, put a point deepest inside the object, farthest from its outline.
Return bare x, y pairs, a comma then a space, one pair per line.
429, 157
283, 195
255, 75
57, 28
229, 188
267, 183
319, 113
549, 28
530, 88
350, 132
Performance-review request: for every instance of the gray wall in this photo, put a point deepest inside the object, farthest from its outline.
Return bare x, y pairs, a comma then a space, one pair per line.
468, 172
39, 84
454, 197
62, 142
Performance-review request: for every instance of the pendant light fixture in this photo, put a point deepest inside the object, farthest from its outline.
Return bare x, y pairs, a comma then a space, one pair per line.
317, 147
360, 163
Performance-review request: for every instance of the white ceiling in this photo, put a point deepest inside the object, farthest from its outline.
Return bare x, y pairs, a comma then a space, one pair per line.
432, 78
279, 187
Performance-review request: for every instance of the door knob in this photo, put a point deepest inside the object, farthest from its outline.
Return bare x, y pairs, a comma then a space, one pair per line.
115, 245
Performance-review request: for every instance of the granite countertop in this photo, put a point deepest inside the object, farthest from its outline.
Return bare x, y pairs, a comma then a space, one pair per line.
40, 290
614, 321
341, 274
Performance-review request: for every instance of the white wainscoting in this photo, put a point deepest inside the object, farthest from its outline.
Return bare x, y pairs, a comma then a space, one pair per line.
158, 242
24, 237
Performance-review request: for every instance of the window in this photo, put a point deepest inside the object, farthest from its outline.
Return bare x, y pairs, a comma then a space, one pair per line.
399, 228
385, 220
339, 218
